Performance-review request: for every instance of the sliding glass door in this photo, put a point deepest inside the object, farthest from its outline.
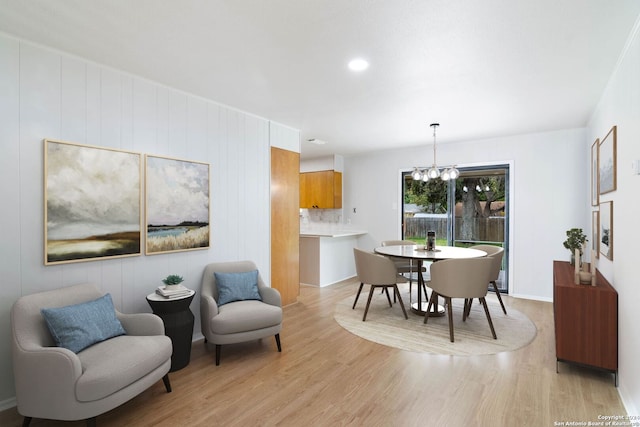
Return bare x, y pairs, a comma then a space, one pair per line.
470, 210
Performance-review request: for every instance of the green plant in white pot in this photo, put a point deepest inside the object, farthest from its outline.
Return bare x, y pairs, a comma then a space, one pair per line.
575, 240
172, 281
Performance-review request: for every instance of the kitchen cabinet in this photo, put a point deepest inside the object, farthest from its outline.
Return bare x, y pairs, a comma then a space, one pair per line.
321, 190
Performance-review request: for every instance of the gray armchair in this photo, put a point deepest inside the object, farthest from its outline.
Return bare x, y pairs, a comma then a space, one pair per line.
56, 383
238, 321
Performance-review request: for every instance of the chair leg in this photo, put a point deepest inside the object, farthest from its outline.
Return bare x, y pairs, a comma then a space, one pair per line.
357, 295
397, 292
432, 301
278, 343
167, 383
469, 307
91, 422
495, 288
424, 289
218, 351
368, 303
466, 310
386, 290
486, 311
450, 315
383, 290
26, 421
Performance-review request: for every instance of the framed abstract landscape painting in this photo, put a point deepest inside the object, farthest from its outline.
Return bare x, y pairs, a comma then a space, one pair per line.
607, 154
177, 208
92, 202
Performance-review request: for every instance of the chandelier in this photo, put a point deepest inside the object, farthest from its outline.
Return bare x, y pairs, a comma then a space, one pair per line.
424, 174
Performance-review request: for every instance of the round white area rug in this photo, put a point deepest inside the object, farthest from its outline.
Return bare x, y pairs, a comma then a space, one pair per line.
387, 325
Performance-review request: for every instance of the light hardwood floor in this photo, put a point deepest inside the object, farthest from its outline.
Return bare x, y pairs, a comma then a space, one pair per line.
325, 376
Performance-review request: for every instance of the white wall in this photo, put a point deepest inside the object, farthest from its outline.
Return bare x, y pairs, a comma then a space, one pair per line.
48, 94
550, 183
335, 162
284, 137
620, 105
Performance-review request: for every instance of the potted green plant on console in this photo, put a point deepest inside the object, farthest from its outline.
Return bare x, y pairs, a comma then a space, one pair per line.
575, 240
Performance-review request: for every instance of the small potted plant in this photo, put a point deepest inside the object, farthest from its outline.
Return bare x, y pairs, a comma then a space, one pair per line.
575, 240
172, 281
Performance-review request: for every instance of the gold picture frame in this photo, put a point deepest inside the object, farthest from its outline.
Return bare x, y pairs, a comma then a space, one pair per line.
607, 163
595, 192
595, 233
92, 202
605, 233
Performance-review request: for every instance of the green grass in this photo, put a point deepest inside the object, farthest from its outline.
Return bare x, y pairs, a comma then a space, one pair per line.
443, 242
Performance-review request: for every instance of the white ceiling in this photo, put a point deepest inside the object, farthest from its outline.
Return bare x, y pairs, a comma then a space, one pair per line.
481, 68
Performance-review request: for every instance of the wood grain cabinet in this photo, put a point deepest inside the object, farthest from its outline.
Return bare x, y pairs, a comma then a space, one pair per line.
285, 224
321, 190
586, 320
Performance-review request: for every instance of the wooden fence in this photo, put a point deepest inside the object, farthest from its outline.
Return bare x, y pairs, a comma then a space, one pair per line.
482, 229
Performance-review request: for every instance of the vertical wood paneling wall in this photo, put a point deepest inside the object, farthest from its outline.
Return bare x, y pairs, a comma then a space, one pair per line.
48, 94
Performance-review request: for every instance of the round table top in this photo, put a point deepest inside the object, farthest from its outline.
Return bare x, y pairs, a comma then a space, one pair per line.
441, 252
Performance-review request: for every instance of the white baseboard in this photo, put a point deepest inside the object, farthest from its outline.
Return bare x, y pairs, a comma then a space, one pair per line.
8, 404
627, 400
532, 297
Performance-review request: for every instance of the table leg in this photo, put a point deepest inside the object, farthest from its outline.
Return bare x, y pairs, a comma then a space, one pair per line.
420, 307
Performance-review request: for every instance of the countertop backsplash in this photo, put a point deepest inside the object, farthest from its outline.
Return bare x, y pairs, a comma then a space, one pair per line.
310, 218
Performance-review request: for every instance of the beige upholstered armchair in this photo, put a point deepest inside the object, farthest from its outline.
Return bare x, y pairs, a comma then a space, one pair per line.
236, 305
57, 383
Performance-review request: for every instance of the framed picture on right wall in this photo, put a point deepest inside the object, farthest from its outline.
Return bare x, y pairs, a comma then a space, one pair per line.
607, 163
595, 231
595, 191
606, 230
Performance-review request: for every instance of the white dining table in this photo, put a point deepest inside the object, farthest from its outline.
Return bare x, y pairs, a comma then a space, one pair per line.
419, 254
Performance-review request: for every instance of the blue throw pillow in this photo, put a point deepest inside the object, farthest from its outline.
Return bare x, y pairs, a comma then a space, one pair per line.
79, 326
237, 286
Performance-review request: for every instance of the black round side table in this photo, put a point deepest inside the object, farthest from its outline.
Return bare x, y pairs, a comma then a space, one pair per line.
178, 325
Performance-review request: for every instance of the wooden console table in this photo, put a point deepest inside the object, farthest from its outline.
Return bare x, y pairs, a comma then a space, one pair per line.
586, 321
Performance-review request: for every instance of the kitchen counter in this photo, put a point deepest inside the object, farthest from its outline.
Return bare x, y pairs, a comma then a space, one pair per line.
326, 255
330, 232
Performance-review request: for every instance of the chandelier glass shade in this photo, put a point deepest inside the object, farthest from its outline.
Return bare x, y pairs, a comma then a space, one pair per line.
425, 174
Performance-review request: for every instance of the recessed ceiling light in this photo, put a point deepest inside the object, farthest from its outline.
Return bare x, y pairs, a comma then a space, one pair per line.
316, 141
358, 64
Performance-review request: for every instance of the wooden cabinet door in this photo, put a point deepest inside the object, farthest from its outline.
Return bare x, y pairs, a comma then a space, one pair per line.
305, 199
337, 190
285, 224
322, 190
